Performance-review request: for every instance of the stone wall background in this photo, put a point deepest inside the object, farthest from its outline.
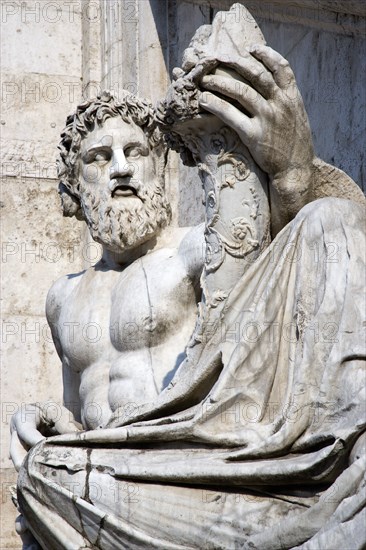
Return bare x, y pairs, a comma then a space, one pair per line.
54, 53
42, 68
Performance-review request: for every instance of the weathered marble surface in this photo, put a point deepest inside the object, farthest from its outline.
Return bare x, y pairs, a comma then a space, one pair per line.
255, 432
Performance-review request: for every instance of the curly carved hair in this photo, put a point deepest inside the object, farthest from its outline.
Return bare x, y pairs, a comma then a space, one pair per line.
82, 122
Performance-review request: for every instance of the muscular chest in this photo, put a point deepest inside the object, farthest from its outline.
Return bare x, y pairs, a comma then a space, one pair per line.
109, 313
150, 302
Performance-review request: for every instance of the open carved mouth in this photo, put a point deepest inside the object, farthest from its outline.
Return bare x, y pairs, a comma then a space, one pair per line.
124, 191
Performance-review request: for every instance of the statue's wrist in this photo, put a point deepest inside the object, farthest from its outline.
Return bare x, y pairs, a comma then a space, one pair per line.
294, 188
295, 178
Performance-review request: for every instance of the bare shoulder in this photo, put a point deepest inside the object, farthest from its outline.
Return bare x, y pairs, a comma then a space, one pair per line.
58, 292
189, 246
192, 250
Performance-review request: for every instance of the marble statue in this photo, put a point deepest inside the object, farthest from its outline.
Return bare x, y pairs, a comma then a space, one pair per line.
223, 405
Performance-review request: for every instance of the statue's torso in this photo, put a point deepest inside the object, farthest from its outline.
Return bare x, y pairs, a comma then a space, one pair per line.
125, 331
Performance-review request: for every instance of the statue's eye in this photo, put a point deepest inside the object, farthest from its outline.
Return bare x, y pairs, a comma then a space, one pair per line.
97, 154
133, 152
101, 156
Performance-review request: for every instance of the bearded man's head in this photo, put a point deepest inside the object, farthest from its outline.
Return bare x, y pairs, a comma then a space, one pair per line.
111, 170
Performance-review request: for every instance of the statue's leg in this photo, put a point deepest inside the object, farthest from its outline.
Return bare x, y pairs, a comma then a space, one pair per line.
75, 497
49, 508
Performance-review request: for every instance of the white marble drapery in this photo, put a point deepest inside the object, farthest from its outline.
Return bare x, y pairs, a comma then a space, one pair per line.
252, 410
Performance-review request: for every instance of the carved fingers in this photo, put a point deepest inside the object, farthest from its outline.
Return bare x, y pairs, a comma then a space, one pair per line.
257, 79
254, 72
277, 65
251, 100
230, 115
59, 419
257, 96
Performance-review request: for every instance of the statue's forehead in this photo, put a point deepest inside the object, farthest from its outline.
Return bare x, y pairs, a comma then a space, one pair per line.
114, 132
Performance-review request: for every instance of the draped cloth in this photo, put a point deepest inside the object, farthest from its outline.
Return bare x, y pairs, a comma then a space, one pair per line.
257, 443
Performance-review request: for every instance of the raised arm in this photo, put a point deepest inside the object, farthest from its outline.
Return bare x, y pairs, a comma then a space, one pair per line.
270, 118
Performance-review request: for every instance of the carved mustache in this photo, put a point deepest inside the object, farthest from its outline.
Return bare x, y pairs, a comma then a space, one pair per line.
124, 187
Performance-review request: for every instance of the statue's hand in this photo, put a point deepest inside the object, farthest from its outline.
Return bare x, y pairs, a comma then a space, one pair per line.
270, 116
31, 424
24, 429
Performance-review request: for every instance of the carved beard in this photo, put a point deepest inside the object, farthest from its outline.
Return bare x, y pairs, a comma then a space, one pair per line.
122, 224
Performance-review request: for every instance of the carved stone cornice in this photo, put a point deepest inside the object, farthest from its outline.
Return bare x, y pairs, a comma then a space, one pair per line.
341, 16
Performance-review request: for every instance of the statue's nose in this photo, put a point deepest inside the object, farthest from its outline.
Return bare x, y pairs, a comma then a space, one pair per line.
120, 166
